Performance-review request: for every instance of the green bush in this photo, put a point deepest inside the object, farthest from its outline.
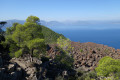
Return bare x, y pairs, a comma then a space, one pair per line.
65, 61
108, 66
65, 58
87, 75
81, 50
13, 48
11, 55
36, 53
18, 53
65, 44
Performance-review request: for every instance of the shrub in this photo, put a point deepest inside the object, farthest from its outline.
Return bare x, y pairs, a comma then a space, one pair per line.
11, 55
36, 53
65, 58
65, 61
18, 53
13, 48
108, 66
65, 44
81, 50
88, 76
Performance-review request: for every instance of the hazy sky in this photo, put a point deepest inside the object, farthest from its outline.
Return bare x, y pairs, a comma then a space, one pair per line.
60, 10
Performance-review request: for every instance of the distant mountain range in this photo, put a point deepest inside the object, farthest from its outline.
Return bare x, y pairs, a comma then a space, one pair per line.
56, 24
10, 22
51, 23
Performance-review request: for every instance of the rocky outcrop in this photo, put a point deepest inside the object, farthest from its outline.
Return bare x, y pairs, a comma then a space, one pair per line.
11, 72
28, 66
20, 69
87, 55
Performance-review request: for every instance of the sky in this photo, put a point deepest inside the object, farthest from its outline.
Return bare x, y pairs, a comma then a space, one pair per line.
60, 10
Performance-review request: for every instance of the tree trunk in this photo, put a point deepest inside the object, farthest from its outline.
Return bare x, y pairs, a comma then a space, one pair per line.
31, 55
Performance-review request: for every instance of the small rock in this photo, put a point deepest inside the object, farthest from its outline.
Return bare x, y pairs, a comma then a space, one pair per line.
11, 67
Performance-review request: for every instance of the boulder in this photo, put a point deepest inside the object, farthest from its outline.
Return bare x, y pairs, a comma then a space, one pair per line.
11, 67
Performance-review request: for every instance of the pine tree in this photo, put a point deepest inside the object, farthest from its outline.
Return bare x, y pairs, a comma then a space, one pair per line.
27, 37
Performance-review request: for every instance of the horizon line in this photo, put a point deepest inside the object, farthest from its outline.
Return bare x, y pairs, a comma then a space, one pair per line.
64, 20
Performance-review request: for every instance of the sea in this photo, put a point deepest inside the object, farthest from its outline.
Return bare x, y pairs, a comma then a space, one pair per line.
106, 36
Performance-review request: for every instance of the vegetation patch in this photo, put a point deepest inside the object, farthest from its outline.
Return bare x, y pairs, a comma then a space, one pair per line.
108, 67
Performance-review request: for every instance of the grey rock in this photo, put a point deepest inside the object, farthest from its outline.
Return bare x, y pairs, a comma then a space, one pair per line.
11, 67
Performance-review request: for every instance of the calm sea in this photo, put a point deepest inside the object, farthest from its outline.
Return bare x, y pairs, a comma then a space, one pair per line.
109, 37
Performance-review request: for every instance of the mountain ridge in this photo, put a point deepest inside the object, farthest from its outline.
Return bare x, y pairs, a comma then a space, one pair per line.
52, 24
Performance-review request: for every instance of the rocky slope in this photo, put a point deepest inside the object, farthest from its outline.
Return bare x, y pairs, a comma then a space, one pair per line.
86, 56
